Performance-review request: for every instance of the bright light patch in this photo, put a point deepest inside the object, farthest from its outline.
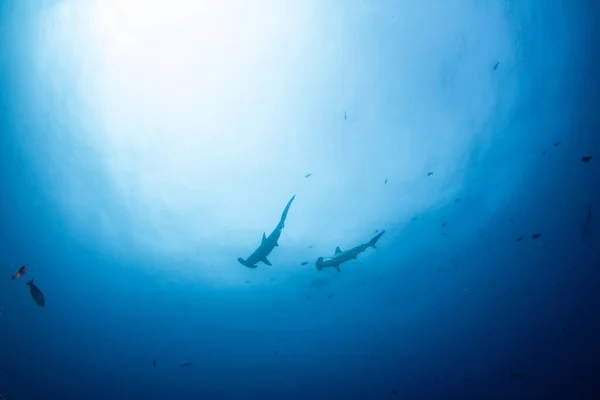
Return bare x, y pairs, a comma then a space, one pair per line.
207, 115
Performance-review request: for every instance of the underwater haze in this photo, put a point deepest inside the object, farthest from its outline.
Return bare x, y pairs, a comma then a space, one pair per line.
299, 199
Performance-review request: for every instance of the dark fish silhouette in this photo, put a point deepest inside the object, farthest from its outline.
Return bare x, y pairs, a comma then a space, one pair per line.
343, 256
586, 159
395, 392
519, 238
37, 294
186, 364
154, 362
385, 181
22, 271
555, 144
331, 296
311, 246
496, 65
304, 263
457, 200
268, 243
429, 173
345, 116
308, 175
536, 236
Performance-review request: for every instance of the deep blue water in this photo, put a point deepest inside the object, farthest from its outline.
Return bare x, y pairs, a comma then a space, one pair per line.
145, 146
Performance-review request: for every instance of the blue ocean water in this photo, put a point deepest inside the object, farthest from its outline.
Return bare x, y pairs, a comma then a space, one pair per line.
146, 145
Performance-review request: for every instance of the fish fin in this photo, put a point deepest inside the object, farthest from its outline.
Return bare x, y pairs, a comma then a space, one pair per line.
338, 250
266, 261
337, 267
30, 283
264, 238
373, 241
276, 244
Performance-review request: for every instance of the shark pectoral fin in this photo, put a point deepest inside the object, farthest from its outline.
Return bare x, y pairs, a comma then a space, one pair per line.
264, 238
337, 268
338, 250
266, 261
276, 244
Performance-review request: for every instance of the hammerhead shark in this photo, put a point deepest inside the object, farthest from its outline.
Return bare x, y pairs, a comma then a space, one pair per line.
268, 243
343, 256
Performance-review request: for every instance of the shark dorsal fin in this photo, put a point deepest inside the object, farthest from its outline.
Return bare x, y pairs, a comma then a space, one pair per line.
338, 250
264, 238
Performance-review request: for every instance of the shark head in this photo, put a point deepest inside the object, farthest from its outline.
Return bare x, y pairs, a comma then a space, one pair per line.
245, 263
319, 263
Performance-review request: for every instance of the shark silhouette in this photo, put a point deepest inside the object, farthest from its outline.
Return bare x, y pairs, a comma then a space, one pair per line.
268, 243
342, 256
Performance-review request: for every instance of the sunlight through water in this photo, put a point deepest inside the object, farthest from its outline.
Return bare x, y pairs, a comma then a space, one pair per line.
204, 121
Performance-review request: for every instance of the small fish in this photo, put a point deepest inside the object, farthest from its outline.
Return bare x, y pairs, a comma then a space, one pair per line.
311, 246
515, 375
308, 175
536, 236
519, 238
556, 144
154, 362
20, 272
331, 296
385, 182
496, 65
444, 224
186, 364
414, 218
37, 294
304, 263
429, 173
247, 282
345, 116
543, 153
586, 159
395, 392
376, 230
457, 201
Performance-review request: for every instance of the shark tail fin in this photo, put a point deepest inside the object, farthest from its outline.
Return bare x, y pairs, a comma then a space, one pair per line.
320, 263
373, 241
